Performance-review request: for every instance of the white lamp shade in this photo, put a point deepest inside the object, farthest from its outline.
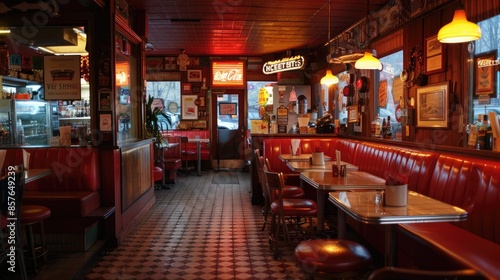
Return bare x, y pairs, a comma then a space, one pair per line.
329, 79
459, 30
368, 62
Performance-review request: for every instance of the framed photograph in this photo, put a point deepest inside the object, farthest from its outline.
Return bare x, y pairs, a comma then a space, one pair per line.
228, 108
194, 76
432, 105
484, 73
195, 88
189, 110
186, 88
434, 55
352, 114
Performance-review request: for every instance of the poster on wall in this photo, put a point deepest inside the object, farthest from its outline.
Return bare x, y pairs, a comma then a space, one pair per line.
62, 77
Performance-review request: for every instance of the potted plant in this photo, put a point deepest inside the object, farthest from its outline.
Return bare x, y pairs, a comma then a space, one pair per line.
152, 128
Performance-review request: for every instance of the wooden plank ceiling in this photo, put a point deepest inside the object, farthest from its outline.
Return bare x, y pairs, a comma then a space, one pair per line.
248, 27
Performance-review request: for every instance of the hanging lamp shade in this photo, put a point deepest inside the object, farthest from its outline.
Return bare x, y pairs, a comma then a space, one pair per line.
329, 79
459, 30
368, 62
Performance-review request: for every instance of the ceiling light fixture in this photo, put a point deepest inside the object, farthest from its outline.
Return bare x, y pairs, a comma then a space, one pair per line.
329, 79
459, 30
368, 61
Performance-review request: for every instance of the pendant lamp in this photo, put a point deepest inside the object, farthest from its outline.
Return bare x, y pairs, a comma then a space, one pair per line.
459, 30
329, 79
368, 62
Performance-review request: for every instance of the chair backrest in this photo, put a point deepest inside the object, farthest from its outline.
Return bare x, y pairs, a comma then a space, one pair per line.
275, 183
256, 153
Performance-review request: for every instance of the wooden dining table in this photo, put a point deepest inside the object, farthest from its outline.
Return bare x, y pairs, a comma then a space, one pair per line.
34, 174
302, 166
301, 157
367, 208
325, 182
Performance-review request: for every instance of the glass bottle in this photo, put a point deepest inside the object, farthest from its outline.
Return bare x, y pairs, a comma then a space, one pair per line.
376, 127
481, 132
388, 130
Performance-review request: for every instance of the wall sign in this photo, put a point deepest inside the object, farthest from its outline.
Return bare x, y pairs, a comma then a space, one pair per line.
285, 64
62, 77
228, 74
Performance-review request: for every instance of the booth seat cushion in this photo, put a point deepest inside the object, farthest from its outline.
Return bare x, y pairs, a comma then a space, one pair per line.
65, 204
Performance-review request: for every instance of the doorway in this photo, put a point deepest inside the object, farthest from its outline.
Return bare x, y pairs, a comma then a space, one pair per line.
228, 129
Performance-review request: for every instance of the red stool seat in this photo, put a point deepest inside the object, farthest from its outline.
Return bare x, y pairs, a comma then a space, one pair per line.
30, 214
295, 207
332, 256
157, 173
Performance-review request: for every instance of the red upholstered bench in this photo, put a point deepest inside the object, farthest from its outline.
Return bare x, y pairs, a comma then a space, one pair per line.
71, 192
192, 147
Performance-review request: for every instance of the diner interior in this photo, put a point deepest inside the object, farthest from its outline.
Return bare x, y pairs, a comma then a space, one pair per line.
322, 139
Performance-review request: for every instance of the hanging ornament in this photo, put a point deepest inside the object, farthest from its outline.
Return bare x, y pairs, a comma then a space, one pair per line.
293, 95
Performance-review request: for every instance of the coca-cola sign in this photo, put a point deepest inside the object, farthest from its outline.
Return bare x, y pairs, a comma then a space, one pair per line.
228, 74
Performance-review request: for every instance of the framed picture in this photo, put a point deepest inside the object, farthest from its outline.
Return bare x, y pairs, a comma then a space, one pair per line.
195, 88
200, 102
194, 76
352, 114
432, 105
484, 73
186, 88
227, 108
434, 55
189, 111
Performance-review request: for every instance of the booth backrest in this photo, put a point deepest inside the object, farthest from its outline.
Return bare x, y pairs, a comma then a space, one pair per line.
471, 184
202, 134
73, 168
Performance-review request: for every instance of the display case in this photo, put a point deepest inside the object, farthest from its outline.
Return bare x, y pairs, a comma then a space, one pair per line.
27, 122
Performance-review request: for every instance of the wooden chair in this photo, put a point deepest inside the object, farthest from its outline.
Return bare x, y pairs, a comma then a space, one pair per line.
287, 212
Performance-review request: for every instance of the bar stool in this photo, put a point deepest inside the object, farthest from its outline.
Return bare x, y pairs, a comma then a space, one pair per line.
288, 191
287, 211
29, 216
334, 258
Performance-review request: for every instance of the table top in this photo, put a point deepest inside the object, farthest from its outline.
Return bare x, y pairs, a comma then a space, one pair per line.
301, 157
35, 174
301, 166
419, 209
201, 140
168, 145
354, 180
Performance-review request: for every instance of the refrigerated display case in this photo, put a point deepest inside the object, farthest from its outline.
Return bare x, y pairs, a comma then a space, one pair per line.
6, 132
28, 120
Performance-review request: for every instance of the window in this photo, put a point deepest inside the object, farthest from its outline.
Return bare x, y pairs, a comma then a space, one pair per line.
253, 88
170, 93
489, 43
389, 82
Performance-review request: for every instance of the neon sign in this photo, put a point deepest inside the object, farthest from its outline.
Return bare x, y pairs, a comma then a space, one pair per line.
228, 74
285, 64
